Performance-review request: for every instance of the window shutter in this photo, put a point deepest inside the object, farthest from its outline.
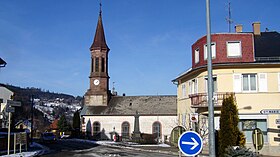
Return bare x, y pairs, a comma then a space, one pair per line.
190, 87
206, 85
279, 82
237, 82
184, 94
262, 82
196, 86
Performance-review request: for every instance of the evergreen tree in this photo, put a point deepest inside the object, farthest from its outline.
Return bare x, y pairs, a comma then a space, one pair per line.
76, 124
76, 120
63, 124
229, 132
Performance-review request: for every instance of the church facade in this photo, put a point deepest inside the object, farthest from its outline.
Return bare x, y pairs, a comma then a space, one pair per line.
105, 114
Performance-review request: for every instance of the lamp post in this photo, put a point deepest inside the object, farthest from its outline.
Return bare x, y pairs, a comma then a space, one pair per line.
210, 85
32, 110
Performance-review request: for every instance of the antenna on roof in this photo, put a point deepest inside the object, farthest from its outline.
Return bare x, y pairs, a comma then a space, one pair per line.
228, 19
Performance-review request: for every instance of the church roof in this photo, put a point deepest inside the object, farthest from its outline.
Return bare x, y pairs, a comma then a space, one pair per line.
99, 41
128, 105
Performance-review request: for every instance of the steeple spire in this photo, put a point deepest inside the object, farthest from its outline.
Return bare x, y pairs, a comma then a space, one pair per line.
99, 41
100, 11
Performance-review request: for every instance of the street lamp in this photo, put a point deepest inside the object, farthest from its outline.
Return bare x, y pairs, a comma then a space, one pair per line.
210, 85
32, 110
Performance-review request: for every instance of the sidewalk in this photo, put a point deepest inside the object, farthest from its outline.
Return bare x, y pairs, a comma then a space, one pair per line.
164, 148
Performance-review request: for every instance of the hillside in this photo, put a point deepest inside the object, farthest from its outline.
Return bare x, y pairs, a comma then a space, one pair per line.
48, 106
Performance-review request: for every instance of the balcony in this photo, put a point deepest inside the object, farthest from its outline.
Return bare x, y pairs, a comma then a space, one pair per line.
201, 99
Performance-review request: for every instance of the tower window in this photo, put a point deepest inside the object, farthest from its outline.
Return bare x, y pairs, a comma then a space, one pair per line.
103, 65
92, 64
96, 64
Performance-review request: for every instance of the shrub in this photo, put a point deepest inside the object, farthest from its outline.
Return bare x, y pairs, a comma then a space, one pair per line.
238, 152
241, 139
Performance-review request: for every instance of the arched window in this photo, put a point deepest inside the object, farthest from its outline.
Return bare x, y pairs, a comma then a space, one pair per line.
96, 128
96, 64
125, 130
157, 129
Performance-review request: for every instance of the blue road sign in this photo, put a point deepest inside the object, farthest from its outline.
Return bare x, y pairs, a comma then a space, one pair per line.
190, 143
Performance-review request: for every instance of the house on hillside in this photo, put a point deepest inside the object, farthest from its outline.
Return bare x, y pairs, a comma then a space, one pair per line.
245, 64
24, 124
105, 114
5, 94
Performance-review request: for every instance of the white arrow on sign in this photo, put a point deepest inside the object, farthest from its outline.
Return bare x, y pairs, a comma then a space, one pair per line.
194, 143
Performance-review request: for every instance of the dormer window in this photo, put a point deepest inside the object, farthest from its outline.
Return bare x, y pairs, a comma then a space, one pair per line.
213, 50
234, 49
196, 55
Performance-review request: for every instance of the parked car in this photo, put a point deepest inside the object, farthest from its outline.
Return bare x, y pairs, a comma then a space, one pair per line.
48, 137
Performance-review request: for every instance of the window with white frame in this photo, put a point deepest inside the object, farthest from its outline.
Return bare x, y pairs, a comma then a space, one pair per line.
215, 89
213, 50
193, 86
196, 55
249, 82
234, 49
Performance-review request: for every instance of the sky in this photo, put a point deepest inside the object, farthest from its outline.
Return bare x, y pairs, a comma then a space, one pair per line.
46, 43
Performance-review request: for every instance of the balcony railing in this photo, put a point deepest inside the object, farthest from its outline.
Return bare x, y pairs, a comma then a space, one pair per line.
201, 99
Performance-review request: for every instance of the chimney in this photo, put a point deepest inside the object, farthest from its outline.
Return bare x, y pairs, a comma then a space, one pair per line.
238, 29
257, 28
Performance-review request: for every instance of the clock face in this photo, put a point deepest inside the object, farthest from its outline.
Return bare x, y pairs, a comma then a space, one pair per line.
96, 82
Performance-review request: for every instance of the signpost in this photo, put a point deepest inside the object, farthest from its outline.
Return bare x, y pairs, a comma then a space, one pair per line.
13, 103
10, 108
190, 143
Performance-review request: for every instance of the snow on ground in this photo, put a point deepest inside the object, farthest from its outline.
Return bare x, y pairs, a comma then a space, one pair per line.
41, 150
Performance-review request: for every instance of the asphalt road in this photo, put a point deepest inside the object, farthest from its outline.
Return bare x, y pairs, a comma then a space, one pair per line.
68, 148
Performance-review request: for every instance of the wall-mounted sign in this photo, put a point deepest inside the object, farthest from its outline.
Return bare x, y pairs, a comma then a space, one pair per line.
270, 111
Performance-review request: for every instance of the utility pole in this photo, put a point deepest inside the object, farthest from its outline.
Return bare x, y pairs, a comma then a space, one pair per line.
210, 85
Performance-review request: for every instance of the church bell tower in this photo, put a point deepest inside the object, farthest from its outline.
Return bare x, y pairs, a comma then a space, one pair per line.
98, 92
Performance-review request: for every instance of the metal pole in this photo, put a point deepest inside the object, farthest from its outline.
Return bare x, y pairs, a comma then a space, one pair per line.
210, 86
256, 139
15, 143
9, 132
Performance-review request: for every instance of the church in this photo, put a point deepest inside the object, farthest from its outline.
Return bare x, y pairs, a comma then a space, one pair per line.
105, 114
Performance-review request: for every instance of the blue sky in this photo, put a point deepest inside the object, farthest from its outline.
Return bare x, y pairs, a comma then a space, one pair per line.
46, 43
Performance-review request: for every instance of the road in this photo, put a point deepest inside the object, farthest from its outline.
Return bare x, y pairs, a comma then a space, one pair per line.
68, 148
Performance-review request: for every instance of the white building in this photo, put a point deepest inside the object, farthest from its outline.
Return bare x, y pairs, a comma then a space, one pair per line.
5, 94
